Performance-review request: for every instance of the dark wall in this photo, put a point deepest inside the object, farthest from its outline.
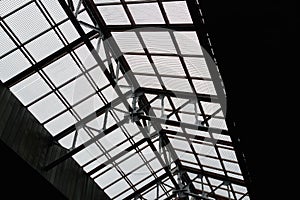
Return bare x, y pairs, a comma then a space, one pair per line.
28, 140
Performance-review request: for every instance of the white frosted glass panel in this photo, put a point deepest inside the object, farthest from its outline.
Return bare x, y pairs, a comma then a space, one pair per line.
6, 43
67, 141
47, 107
148, 13
177, 12
8, 6
204, 87
114, 15
69, 31
168, 65
12, 65
227, 154
108, 177
188, 43
177, 84
197, 67
88, 106
60, 123
44, 45
148, 81
27, 22
55, 10
77, 90
139, 64
158, 42
62, 70
30, 89
128, 42
117, 188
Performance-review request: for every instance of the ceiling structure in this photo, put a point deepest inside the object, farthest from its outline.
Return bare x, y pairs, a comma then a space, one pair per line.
127, 88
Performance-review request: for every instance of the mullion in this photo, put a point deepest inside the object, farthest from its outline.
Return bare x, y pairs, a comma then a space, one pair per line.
163, 54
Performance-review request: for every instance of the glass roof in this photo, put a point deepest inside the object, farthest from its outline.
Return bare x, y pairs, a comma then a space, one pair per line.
125, 86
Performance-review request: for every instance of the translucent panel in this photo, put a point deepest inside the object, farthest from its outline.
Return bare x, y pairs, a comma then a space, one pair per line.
216, 171
168, 65
209, 108
222, 137
139, 64
239, 188
62, 70
98, 77
119, 149
114, 15
30, 89
67, 141
12, 65
188, 43
108, 177
87, 154
204, 87
128, 42
112, 139
84, 135
88, 106
148, 13
125, 194
158, 42
180, 144
186, 157
6, 43
139, 174
214, 182
55, 10
210, 162
8, 6
223, 193
205, 149
197, 67
177, 12
218, 123
69, 31
235, 176
177, 84
77, 90
155, 164
86, 57
195, 132
30, 16
47, 107
109, 93
117, 188
227, 154
199, 187
60, 123
233, 167
131, 163
95, 163
44, 45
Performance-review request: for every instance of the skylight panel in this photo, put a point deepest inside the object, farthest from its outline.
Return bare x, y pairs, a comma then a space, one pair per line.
77, 90
148, 81
88, 106
69, 31
125, 194
6, 43
107, 178
117, 188
232, 167
85, 56
158, 42
177, 12
44, 45
109, 93
139, 64
30, 89
60, 123
55, 10
47, 107
227, 154
114, 14
197, 67
98, 77
130, 163
177, 84
87, 154
188, 43
29, 16
62, 70
205, 149
168, 65
12, 65
146, 13
110, 140
204, 87
8, 6
210, 162
128, 42
67, 141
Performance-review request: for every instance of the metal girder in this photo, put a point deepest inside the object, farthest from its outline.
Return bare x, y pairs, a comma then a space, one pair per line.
182, 124
177, 27
49, 59
214, 175
84, 145
90, 117
179, 94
